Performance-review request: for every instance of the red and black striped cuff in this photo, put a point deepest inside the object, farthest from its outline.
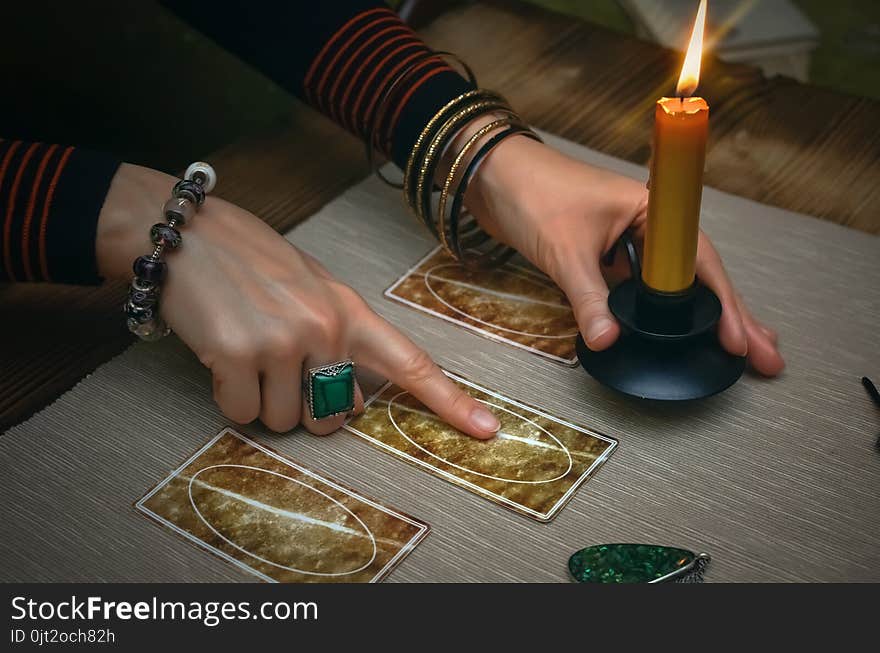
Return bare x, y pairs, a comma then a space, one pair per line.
340, 57
354, 69
50, 199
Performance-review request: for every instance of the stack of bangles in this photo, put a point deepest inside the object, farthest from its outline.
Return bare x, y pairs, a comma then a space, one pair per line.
142, 307
458, 232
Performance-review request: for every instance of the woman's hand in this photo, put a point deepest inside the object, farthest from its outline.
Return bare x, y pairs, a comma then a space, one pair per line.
563, 215
259, 313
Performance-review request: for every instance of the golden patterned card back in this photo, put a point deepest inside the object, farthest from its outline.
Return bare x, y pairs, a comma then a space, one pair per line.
514, 304
278, 520
533, 466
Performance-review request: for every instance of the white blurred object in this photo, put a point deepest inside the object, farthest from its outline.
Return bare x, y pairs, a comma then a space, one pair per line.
772, 34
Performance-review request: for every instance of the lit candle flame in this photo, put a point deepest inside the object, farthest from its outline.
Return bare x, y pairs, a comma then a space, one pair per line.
690, 71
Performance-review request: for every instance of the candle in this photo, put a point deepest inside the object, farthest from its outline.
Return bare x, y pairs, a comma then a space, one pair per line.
681, 126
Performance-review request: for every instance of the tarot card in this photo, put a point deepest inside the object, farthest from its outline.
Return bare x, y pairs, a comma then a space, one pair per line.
533, 465
515, 304
278, 520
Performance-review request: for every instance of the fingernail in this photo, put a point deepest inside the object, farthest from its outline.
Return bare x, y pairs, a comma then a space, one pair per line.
598, 328
484, 420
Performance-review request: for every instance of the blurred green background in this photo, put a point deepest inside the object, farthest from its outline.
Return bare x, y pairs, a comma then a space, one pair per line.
848, 56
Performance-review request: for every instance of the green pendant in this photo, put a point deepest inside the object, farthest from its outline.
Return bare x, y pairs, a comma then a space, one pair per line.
636, 563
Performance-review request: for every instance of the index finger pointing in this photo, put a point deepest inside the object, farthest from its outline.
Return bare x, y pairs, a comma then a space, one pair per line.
384, 349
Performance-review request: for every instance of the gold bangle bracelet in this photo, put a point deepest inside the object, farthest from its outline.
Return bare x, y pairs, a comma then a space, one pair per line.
427, 137
453, 171
420, 201
440, 116
449, 106
438, 141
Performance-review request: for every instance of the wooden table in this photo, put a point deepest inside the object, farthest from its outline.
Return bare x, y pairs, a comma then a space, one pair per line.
775, 141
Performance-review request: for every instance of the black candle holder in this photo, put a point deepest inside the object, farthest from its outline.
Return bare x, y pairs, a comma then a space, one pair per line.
668, 348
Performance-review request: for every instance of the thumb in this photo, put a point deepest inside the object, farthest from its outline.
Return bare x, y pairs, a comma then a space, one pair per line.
588, 294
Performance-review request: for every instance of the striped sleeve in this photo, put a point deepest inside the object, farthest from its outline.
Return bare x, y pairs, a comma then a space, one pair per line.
50, 199
341, 57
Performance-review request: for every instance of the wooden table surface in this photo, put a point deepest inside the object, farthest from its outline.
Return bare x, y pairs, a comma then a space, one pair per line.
776, 141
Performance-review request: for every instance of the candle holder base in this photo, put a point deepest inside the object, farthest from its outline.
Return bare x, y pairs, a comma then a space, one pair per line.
649, 369
668, 349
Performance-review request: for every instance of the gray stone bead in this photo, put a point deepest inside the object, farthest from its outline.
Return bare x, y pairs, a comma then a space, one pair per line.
160, 330
149, 331
140, 314
143, 285
181, 209
143, 298
163, 234
190, 190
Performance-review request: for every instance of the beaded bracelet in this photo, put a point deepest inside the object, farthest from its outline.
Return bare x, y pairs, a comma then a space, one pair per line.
142, 307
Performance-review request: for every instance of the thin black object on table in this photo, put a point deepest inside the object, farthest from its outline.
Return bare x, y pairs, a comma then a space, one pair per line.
875, 395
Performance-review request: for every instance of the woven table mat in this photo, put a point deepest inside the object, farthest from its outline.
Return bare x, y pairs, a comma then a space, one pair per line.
776, 479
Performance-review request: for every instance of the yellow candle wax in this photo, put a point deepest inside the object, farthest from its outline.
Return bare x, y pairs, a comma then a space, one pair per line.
681, 127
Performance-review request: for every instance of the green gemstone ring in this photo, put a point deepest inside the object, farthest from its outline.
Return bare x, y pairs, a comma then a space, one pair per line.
636, 563
330, 389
